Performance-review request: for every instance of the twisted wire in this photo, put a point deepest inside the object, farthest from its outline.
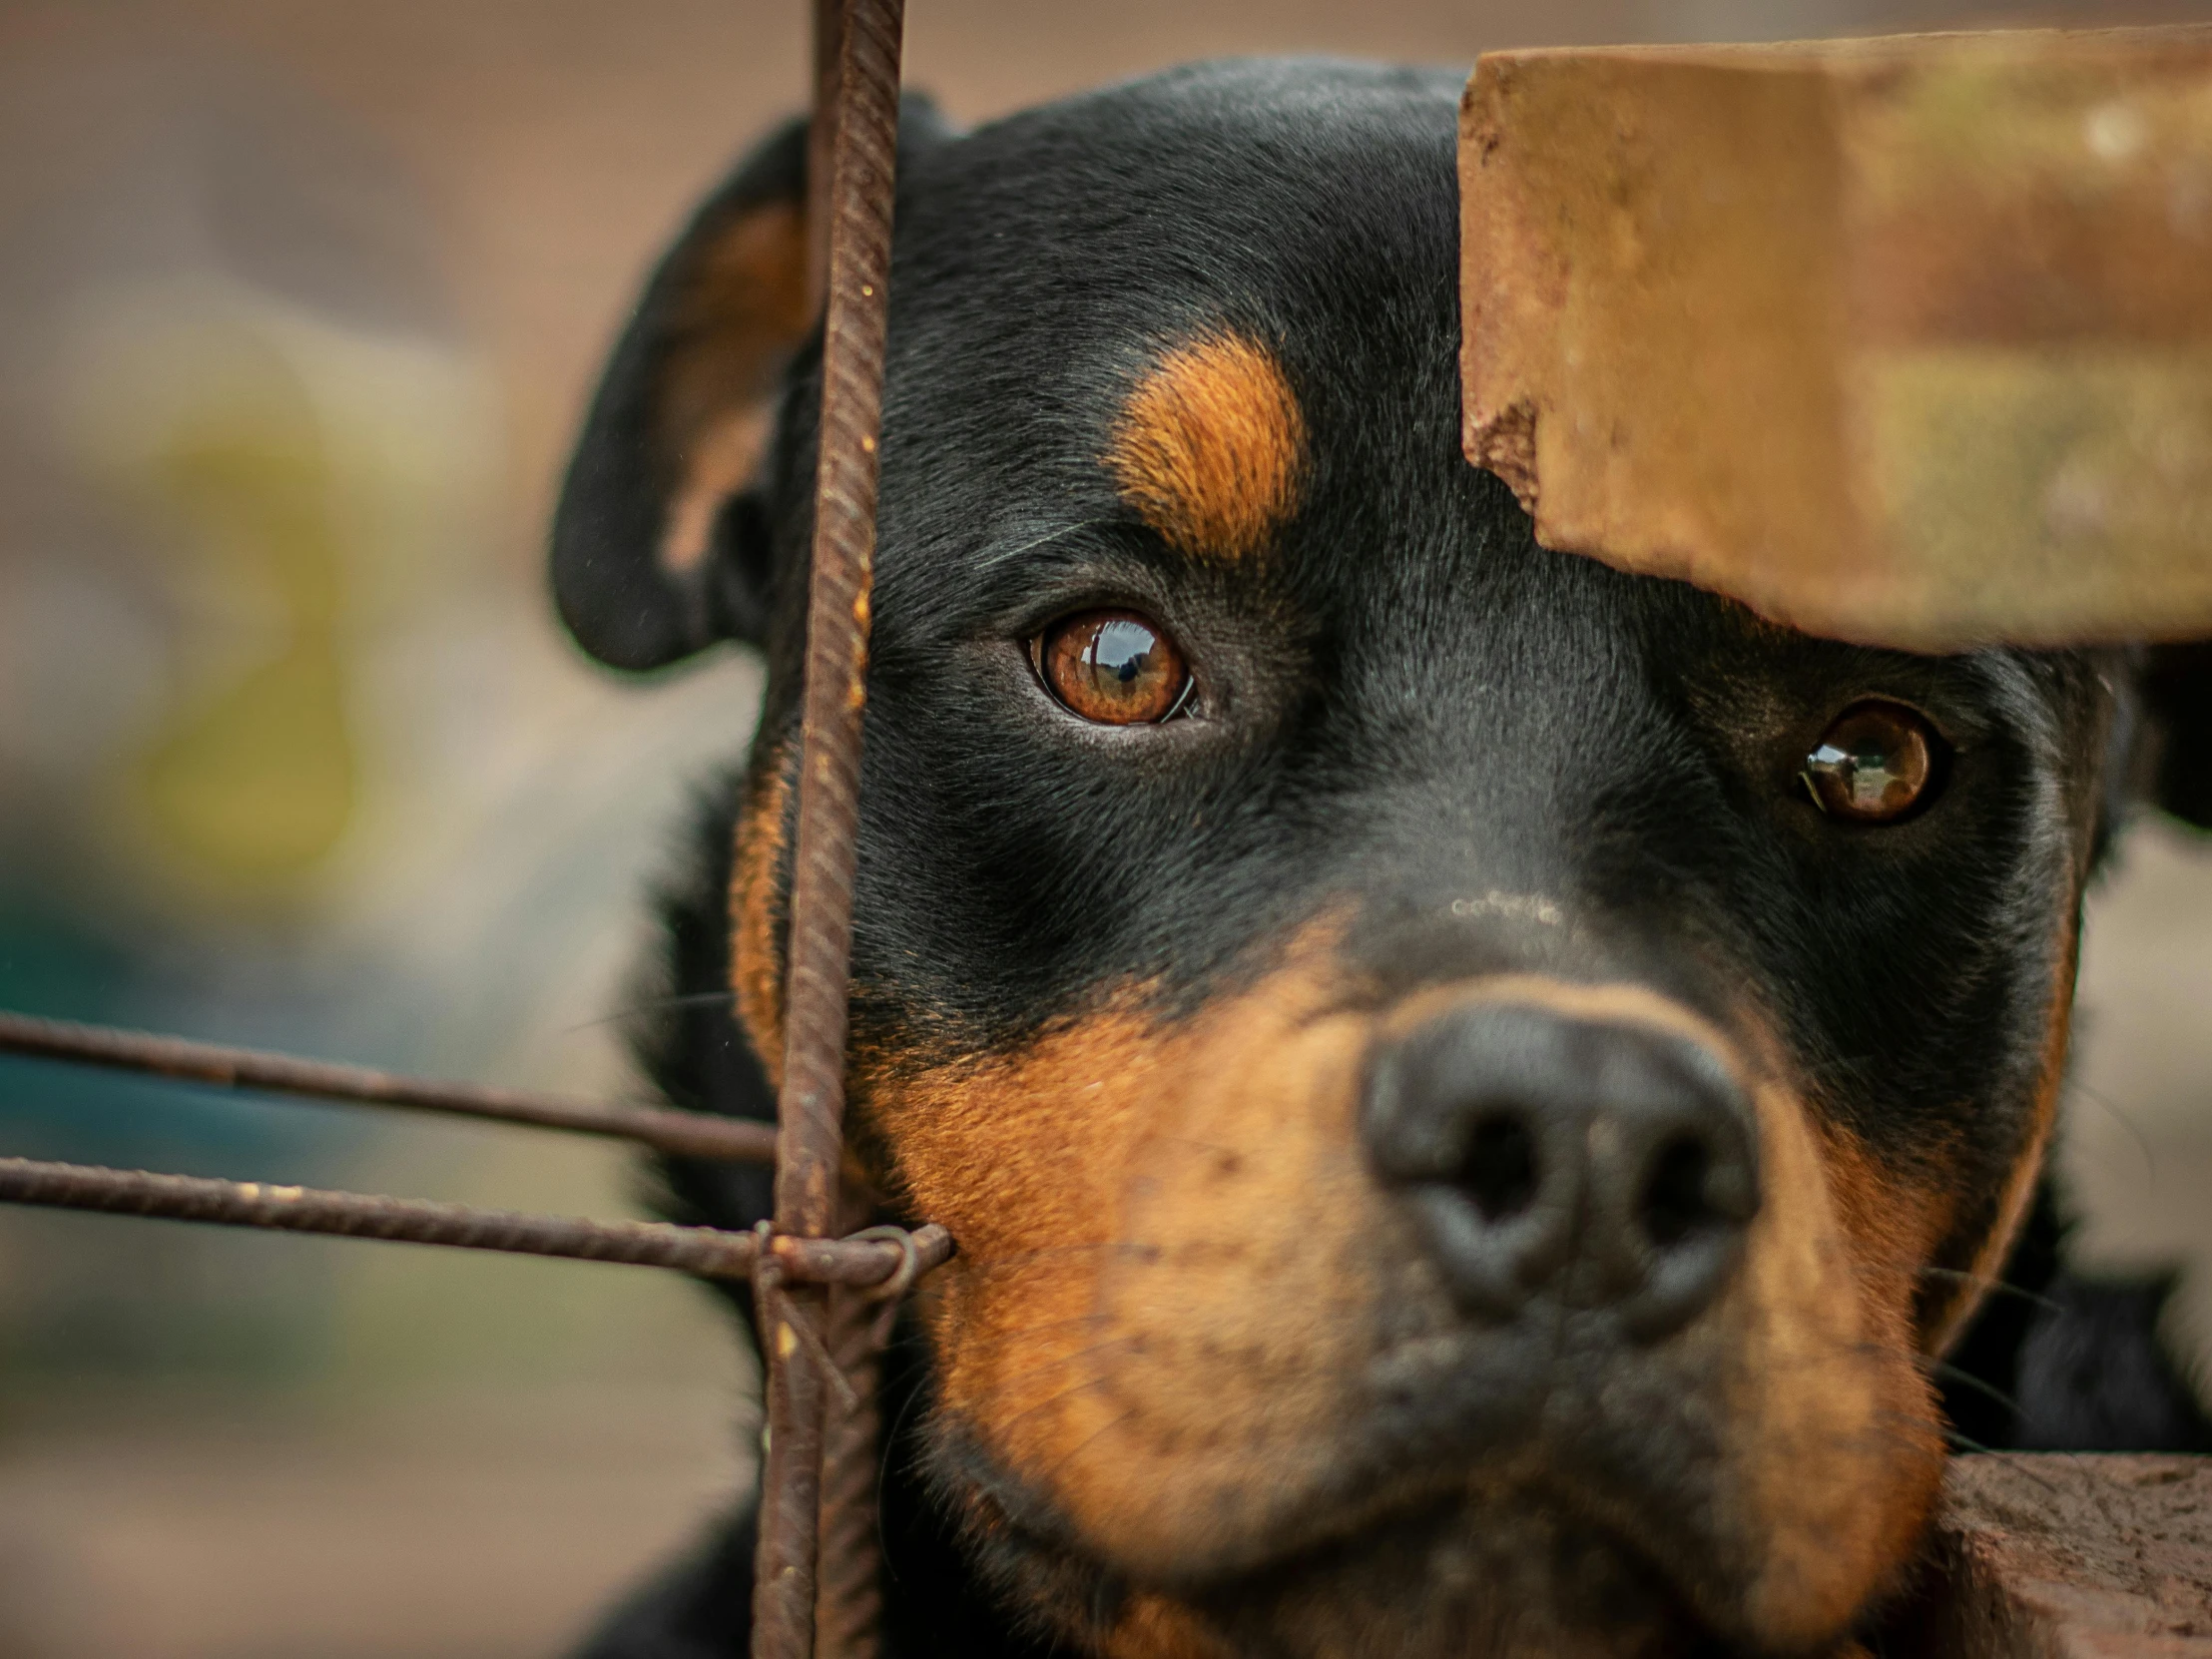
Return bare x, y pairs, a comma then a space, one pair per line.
872, 1266
848, 1595
700, 1250
691, 1134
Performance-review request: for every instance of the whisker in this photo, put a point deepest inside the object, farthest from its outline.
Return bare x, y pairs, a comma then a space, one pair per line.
883, 1469
1049, 1401
2142, 1141
1995, 1287
1955, 1374
1047, 1364
1000, 555
2013, 1458
1078, 1449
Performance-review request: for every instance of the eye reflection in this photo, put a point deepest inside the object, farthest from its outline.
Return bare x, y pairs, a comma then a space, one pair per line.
1115, 668
1876, 765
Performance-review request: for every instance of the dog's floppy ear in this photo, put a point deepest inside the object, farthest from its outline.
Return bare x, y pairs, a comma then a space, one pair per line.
660, 541
2178, 693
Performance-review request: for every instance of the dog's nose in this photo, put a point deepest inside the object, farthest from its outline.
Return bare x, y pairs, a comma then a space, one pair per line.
1602, 1163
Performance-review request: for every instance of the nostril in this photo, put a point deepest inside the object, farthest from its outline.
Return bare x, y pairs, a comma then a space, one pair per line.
1673, 1204
1598, 1165
1499, 1171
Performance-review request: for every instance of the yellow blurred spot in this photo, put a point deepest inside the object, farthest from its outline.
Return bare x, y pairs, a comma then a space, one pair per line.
253, 777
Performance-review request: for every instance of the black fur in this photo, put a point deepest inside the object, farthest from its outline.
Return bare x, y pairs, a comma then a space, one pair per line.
2052, 1363
1408, 690
2056, 1363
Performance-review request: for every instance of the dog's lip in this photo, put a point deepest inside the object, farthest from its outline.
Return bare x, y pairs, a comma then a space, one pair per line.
1439, 1502
1332, 1527
1454, 1476
1020, 1509
1443, 1503
1655, 1620
1408, 1441
1439, 1454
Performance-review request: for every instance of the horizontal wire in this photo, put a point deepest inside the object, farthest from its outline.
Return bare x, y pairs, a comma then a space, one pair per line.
862, 1263
688, 1134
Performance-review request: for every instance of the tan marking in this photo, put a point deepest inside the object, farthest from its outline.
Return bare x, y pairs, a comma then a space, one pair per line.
739, 314
1612, 1003
757, 907
1176, 1278
1894, 1221
1211, 446
722, 462
1089, 1283
1950, 1321
1153, 1627
1834, 1429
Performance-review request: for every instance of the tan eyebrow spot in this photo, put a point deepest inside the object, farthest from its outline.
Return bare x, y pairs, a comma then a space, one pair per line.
1210, 447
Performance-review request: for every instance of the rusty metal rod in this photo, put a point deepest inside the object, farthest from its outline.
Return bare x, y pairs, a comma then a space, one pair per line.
690, 1134
829, 31
848, 1568
708, 1251
856, 70
810, 1102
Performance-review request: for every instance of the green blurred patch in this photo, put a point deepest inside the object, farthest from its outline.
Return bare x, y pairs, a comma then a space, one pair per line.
255, 778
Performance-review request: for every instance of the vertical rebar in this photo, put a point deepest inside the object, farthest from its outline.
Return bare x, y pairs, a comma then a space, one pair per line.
848, 1592
828, 43
861, 40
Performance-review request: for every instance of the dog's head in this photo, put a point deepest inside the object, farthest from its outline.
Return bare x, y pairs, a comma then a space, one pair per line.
1472, 1089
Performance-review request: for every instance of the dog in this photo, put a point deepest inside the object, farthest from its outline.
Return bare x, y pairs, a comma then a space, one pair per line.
1488, 1105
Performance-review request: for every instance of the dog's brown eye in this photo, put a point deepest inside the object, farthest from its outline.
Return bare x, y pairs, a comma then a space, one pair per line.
1875, 764
1114, 667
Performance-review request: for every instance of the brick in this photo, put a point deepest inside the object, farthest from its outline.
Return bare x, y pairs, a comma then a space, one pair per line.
2053, 1557
1906, 340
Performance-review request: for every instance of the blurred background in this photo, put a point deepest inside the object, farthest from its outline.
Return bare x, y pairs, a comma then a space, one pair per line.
299, 304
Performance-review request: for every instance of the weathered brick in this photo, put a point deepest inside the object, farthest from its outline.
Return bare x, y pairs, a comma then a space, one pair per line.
1907, 341
2070, 1557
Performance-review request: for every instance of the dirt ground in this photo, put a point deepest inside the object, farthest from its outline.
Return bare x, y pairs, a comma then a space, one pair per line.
494, 1529
546, 147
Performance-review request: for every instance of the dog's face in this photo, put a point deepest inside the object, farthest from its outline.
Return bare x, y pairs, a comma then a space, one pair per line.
1471, 1089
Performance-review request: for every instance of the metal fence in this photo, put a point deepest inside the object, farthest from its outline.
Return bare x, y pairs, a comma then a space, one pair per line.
823, 1300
